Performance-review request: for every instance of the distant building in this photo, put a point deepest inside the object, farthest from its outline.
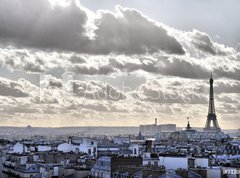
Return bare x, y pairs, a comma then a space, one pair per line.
232, 148
105, 166
121, 140
152, 129
109, 149
167, 127
47, 164
149, 160
139, 172
29, 127
136, 149
140, 136
238, 133
190, 134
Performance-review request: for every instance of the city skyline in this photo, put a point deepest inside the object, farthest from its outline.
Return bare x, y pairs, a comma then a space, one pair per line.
81, 63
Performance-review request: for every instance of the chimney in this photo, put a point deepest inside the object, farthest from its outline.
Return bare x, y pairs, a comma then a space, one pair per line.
155, 121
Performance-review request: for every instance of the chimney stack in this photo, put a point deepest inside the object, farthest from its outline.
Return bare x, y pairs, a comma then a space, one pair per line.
155, 121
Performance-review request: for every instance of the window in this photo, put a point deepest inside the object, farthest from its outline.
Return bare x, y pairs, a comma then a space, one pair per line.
134, 151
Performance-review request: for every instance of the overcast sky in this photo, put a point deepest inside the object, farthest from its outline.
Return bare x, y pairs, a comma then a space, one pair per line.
121, 63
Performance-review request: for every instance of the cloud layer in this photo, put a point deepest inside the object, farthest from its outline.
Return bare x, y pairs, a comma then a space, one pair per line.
106, 42
88, 99
83, 57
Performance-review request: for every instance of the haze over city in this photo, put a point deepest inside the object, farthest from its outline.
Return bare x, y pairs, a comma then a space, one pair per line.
70, 63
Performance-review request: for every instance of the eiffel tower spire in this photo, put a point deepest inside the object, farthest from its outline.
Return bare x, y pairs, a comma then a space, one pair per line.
211, 118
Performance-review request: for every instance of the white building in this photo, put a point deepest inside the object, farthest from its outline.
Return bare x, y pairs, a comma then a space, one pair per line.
66, 147
19, 148
84, 144
136, 149
43, 148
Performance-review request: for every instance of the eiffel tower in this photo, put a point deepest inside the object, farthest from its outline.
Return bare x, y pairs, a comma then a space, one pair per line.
211, 117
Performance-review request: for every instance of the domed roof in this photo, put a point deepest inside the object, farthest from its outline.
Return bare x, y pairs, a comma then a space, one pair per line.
140, 136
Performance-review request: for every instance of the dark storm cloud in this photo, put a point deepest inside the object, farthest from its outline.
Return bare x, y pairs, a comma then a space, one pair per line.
128, 31
235, 74
38, 24
183, 68
162, 65
227, 86
229, 98
35, 23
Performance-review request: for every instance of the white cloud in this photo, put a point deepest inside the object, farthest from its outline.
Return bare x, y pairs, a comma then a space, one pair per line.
20, 88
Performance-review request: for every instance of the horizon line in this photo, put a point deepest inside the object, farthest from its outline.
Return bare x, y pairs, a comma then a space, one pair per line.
55, 127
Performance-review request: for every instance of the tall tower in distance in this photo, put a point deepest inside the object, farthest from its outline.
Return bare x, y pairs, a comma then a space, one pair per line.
212, 123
